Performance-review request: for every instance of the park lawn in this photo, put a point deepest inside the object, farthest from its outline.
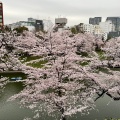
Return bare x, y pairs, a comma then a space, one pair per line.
84, 63
39, 64
29, 58
101, 55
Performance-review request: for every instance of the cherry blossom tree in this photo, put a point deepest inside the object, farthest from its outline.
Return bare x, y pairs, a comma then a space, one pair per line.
8, 58
112, 50
63, 84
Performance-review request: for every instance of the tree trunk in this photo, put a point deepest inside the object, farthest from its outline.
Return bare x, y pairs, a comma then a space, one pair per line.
63, 118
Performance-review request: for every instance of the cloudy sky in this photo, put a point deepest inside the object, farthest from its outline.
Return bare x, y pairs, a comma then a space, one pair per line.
75, 10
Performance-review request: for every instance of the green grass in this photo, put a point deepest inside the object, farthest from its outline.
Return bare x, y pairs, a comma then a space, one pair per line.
103, 70
84, 63
39, 64
101, 55
29, 58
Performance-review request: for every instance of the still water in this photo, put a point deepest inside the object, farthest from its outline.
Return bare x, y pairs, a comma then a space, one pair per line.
11, 110
105, 107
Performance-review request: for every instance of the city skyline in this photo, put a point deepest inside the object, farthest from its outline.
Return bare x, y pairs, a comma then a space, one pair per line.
75, 11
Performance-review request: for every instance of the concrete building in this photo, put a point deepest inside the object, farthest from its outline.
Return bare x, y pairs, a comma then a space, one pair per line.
48, 24
39, 25
1, 15
102, 30
107, 26
104, 36
31, 20
97, 31
113, 34
60, 22
27, 24
95, 20
31, 24
89, 28
115, 21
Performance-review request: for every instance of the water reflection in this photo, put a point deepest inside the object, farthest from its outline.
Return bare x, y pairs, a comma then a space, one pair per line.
105, 107
18, 75
11, 110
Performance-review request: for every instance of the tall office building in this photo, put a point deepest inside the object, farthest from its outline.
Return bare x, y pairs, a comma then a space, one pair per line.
115, 21
107, 26
61, 22
1, 14
31, 20
39, 26
95, 20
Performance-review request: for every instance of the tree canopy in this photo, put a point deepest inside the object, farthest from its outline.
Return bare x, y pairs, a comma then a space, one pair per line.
69, 73
20, 29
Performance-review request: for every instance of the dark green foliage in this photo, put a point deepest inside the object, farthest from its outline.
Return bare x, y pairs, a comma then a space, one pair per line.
84, 63
115, 69
97, 48
20, 29
65, 80
8, 29
83, 54
23, 54
73, 30
103, 69
9, 48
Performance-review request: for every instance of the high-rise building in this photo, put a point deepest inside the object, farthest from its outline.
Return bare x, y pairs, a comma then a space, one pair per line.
31, 24
88, 28
107, 26
31, 20
1, 14
113, 34
95, 20
115, 21
60, 22
39, 26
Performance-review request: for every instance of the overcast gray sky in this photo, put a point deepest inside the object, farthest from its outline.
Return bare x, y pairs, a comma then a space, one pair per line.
75, 10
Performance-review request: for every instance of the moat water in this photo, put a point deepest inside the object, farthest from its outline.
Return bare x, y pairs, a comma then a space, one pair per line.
105, 107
